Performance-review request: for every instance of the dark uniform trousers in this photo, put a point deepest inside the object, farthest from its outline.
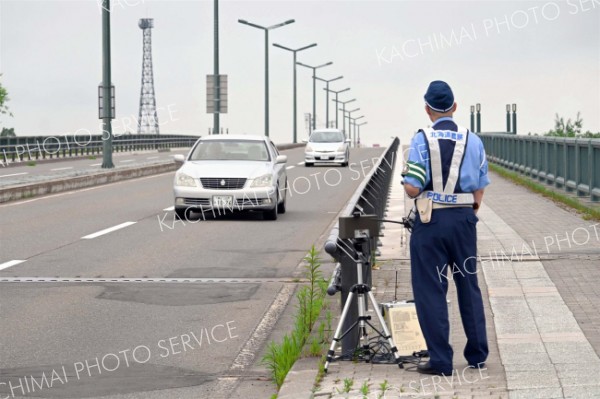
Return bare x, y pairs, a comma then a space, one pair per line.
442, 250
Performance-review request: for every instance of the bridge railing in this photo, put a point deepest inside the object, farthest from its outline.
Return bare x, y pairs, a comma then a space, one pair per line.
572, 164
370, 198
15, 149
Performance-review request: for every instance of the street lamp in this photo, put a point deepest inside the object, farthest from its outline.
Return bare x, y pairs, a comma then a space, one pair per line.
106, 91
354, 123
344, 111
349, 121
473, 118
514, 118
314, 68
266, 29
508, 118
478, 109
359, 125
336, 101
294, 51
327, 96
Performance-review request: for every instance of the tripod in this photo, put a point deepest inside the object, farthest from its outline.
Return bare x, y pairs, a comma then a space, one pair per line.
361, 290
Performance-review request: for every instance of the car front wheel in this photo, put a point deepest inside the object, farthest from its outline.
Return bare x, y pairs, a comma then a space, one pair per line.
183, 213
271, 214
281, 206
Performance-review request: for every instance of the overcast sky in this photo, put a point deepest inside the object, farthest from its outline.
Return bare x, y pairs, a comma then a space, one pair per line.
542, 55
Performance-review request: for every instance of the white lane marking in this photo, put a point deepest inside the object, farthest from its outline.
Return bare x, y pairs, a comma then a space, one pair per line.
106, 231
55, 169
82, 190
290, 167
10, 263
15, 174
96, 164
300, 163
171, 208
151, 157
128, 160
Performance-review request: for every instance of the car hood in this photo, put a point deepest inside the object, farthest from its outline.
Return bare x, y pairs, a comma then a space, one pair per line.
325, 146
249, 170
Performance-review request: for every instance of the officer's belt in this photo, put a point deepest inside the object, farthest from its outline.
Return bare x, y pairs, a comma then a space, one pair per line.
435, 205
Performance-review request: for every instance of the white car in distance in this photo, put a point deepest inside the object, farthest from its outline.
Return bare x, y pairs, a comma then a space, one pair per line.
326, 146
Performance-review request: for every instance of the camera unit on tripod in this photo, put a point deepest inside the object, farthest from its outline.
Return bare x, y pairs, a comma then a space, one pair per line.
361, 229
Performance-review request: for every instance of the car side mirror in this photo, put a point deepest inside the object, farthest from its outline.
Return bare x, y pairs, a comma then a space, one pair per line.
281, 159
179, 158
348, 141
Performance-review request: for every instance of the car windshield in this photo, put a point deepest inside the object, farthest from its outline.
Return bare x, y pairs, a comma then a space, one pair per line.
235, 150
326, 137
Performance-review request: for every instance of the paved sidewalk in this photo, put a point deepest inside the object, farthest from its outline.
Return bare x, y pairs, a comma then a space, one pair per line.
540, 298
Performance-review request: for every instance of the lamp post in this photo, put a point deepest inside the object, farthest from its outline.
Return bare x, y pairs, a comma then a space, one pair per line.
359, 125
327, 96
478, 109
354, 123
266, 29
349, 121
294, 51
514, 119
473, 118
336, 101
508, 118
314, 69
106, 90
344, 111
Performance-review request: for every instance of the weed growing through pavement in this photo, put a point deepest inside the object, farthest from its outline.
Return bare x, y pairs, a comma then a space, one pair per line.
280, 357
364, 389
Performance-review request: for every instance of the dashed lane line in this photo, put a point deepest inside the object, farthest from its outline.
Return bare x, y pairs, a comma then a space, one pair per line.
15, 174
108, 230
65, 168
10, 263
205, 280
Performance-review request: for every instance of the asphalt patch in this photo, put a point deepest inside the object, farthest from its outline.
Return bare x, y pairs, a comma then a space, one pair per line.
179, 295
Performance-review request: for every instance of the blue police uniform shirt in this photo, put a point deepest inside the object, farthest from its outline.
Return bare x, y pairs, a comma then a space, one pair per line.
474, 168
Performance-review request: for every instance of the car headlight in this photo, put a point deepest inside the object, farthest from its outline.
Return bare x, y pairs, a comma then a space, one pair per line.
308, 148
181, 179
341, 148
263, 181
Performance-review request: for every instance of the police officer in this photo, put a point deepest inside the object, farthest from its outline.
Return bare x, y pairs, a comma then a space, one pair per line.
446, 173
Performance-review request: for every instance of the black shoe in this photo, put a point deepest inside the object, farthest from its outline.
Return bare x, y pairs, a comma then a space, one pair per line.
477, 366
425, 368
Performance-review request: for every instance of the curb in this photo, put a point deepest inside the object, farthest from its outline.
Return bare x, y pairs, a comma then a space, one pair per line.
300, 379
15, 193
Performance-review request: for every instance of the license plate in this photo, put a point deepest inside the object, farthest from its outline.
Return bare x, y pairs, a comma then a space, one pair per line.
222, 201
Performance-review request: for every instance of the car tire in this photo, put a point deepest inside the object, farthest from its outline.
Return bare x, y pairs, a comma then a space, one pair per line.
271, 214
281, 207
183, 213
308, 164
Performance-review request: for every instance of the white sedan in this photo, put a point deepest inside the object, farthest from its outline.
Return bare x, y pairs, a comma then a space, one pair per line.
231, 173
327, 146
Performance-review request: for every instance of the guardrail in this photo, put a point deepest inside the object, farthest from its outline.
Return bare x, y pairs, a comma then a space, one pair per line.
370, 199
14, 149
572, 164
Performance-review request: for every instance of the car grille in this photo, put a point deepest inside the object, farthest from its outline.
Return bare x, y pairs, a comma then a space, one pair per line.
223, 183
196, 201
